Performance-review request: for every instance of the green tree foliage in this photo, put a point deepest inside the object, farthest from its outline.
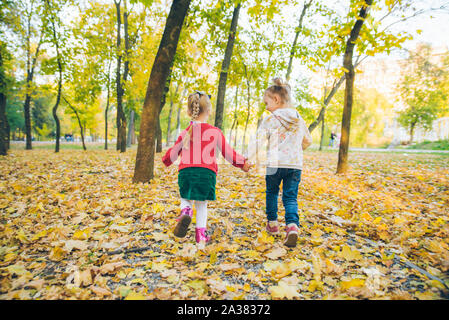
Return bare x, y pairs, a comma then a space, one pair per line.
424, 89
42, 123
300, 39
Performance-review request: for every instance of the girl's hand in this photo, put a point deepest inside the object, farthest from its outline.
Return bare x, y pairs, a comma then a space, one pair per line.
246, 167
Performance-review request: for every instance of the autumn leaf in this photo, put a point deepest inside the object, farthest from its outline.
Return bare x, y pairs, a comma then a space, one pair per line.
57, 254
345, 285
85, 278
135, 296
16, 269
82, 234
101, 292
159, 236
228, 266
276, 253
111, 267
283, 290
316, 263
36, 284
349, 254
69, 245
315, 285
217, 285
333, 268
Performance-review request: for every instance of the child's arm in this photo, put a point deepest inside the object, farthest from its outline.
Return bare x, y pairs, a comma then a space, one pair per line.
236, 159
173, 153
307, 140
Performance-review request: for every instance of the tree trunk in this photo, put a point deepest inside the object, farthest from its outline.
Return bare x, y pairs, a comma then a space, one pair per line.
236, 134
3, 126
144, 169
82, 132
118, 76
27, 114
158, 124
55, 108
134, 136
125, 76
322, 134
172, 98
219, 110
120, 119
178, 119
130, 129
342, 166
4, 134
232, 128
8, 132
298, 31
106, 125
58, 97
235, 112
326, 102
412, 130
79, 122
178, 115
107, 108
248, 109
158, 135
30, 67
167, 142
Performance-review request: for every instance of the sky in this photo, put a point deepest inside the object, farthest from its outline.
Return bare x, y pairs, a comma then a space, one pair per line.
434, 25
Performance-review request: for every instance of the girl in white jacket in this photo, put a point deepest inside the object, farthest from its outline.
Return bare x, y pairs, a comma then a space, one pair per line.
278, 145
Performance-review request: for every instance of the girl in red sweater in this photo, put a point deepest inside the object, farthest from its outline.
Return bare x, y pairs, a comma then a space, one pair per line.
197, 145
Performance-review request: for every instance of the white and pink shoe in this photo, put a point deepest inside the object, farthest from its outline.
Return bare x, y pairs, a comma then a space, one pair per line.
292, 235
201, 237
184, 221
273, 227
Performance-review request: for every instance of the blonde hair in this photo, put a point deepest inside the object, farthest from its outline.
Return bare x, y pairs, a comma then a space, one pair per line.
197, 104
280, 88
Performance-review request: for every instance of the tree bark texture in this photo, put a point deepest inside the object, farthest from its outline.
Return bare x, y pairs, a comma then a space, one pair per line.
219, 109
342, 165
144, 168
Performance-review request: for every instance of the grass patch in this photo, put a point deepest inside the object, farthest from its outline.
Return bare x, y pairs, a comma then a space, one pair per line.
431, 145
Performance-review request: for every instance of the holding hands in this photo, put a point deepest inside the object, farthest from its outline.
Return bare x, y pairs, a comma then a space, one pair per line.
247, 166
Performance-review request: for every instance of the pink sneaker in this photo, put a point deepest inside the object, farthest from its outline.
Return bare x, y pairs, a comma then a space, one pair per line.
273, 227
201, 236
292, 235
183, 222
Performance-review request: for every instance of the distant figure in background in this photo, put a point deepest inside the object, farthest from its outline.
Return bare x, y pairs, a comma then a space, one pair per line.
332, 140
68, 137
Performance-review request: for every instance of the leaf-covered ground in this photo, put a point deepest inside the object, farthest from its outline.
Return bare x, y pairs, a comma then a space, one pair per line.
73, 226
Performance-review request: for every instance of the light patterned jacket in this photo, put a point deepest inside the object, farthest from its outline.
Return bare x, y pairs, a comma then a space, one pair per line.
280, 140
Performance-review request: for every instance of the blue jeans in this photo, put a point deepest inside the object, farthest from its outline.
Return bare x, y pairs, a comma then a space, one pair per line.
291, 179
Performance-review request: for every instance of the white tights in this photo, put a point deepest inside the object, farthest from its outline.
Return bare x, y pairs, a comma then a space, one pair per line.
201, 211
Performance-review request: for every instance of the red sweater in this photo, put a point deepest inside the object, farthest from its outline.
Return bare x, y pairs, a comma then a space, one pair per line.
204, 141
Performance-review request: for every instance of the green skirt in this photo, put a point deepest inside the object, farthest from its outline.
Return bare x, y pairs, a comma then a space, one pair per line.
197, 183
